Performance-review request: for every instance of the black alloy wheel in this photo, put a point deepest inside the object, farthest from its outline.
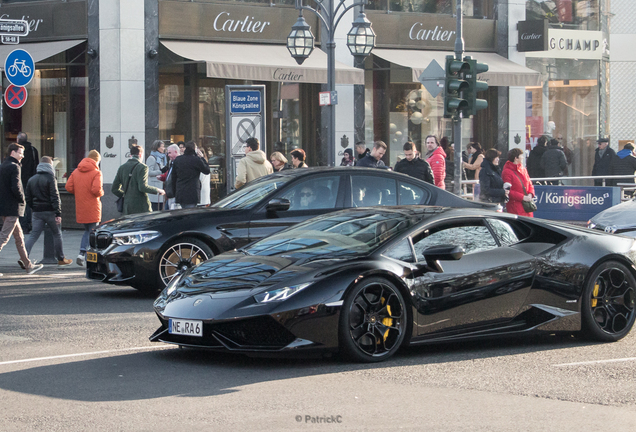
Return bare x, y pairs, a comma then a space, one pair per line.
373, 321
608, 303
179, 256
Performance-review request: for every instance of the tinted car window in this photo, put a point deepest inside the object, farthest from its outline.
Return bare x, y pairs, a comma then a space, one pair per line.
402, 251
251, 193
373, 191
411, 194
314, 194
503, 231
473, 237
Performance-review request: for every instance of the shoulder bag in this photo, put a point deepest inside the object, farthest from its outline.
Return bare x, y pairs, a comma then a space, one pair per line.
528, 206
120, 200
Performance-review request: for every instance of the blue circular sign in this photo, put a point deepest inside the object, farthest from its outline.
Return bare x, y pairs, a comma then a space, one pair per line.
19, 67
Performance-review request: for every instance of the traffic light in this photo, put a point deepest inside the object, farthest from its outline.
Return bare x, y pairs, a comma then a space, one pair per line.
454, 102
474, 86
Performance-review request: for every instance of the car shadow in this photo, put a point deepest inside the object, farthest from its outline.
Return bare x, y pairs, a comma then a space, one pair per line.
199, 373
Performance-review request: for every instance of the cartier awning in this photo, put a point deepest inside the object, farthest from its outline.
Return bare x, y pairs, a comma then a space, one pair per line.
501, 71
262, 63
39, 50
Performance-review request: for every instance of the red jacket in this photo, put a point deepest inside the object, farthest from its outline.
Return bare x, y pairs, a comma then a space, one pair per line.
86, 184
509, 175
437, 161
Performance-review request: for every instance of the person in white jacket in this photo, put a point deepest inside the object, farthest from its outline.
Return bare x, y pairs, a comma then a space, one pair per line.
156, 162
253, 165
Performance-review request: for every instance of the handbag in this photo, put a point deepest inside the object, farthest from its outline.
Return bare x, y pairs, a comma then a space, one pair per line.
528, 206
120, 200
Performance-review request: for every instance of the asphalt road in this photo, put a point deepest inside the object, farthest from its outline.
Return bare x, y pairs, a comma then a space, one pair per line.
75, 356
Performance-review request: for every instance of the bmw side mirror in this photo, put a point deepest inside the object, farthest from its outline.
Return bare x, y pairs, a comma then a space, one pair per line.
278, 204
435, 254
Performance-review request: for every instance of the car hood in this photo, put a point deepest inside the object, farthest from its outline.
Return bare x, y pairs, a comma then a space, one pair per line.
620, 216
237, 272
152, 219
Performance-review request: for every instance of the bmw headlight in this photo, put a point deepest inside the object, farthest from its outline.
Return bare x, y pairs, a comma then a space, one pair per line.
280, 294
135, 237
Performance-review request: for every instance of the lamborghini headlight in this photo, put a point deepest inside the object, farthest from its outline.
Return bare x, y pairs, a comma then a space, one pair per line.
135, 237
280, 294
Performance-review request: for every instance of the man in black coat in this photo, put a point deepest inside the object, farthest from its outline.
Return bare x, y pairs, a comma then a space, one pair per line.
29, 168
603, 157
374, 158
413, 166
624, 163
44, 198
361, 151
12, 204
534, 159
553, 162
185, 176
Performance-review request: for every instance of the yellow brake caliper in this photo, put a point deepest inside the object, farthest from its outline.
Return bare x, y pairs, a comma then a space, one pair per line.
387, 321
597, 286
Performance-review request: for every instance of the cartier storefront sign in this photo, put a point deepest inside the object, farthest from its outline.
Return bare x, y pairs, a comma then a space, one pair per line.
533, 35
227, 22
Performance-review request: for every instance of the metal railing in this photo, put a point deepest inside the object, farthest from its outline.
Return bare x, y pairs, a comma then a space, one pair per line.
575, 182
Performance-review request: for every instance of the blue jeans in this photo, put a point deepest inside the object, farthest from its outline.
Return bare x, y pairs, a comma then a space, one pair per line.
87, 232
40, 219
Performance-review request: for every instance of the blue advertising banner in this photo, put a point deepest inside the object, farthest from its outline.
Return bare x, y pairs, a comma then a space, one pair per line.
574, 203
245, 102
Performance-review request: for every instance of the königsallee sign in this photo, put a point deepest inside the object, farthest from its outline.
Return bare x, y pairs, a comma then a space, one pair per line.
574, 202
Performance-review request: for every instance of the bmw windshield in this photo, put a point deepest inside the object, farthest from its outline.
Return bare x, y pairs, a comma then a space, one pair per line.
252, 193
348, 233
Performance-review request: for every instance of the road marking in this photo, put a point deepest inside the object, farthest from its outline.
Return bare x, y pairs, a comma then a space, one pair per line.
84, 354
627, 359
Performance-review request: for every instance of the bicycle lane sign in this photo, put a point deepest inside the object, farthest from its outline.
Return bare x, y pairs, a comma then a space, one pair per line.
19, 67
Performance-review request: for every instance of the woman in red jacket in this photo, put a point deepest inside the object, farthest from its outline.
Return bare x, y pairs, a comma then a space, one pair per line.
515, 174
86, 184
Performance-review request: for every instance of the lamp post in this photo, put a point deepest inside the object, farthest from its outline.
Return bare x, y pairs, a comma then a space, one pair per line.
360, 41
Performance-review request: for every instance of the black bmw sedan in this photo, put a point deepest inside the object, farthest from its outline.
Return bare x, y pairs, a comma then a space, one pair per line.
147, 250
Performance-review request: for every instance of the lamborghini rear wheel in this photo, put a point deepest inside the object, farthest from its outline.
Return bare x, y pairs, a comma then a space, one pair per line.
373, 321
608, 303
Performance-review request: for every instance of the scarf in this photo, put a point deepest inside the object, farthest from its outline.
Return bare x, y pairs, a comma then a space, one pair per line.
159, 157
45, 168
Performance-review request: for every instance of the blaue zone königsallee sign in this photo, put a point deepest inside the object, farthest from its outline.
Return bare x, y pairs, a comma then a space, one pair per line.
574, 202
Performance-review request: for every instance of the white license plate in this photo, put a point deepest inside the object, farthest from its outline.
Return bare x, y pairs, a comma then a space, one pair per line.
185, 327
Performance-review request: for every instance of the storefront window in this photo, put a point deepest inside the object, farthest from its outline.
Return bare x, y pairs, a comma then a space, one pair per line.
569, 97
55, 116
567, 14
174, 120
472, 8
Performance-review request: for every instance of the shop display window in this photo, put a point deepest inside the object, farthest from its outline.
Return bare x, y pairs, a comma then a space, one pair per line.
472, 8
565, 14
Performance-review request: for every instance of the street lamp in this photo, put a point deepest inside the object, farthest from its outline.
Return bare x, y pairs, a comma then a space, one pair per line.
360, 40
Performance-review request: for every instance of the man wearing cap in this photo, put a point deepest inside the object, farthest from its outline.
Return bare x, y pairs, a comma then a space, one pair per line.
603, 157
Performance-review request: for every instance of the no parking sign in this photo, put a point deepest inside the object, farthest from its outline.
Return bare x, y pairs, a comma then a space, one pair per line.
15, 97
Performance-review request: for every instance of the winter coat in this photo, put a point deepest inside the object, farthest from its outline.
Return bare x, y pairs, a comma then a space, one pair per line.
186, 173
136, 195
86, 184
474, 166
624, 163
535, 170
437, 161
12, 200
154, 169
511, 174
553, 162
283, 168
41, 192
491, 184
603, 165
370, 162
360, 156
251, 167
29, 163
418, 168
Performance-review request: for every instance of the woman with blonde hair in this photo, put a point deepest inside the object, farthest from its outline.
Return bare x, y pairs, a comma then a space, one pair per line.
279, 162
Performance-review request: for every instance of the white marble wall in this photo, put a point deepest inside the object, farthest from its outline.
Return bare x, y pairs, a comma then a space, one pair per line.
121, 33
516, 95
622, 70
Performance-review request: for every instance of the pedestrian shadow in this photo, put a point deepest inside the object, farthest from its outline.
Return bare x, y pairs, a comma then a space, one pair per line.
200, 373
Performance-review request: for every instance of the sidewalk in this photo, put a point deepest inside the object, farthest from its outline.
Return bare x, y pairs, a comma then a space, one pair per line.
9, 255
